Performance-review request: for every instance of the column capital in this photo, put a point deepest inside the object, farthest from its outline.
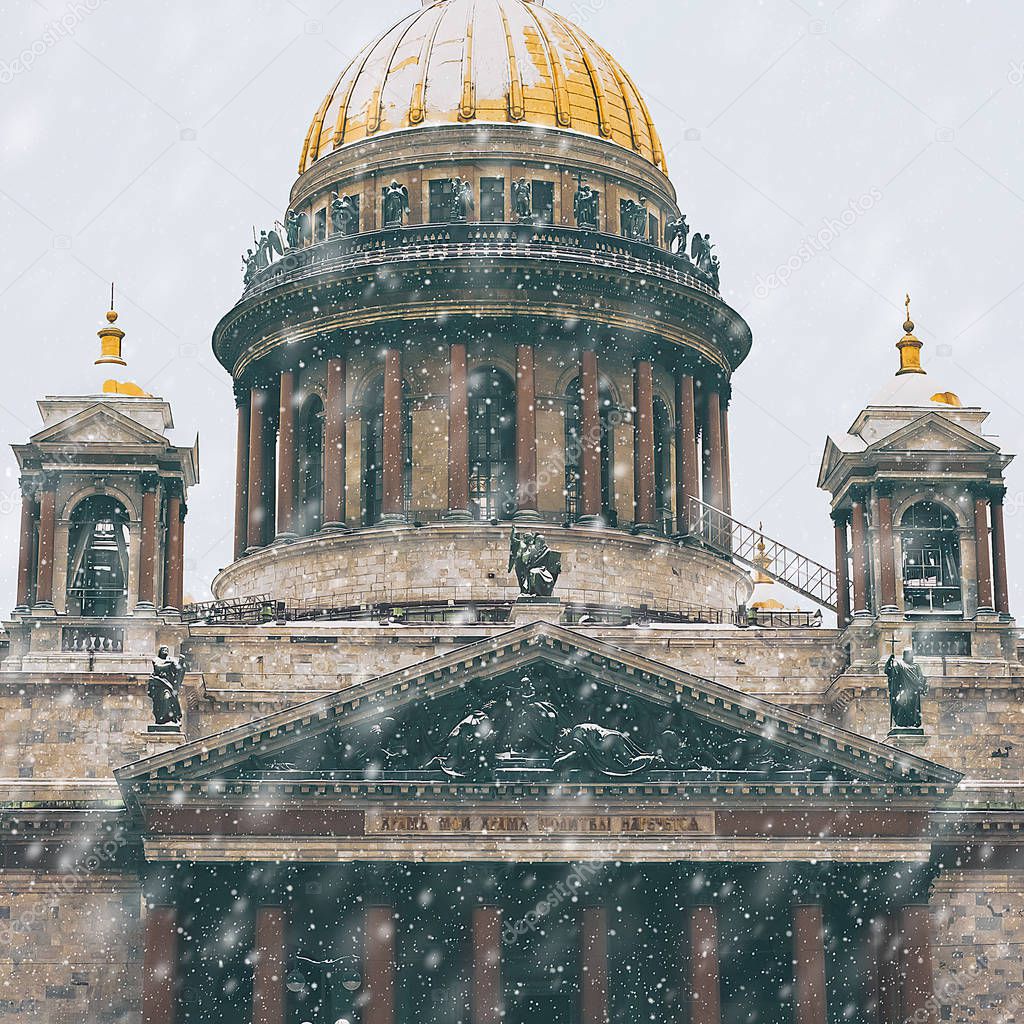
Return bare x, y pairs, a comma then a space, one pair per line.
884, 488
859, 493
841, 517
29, 487
149, 482
997, 494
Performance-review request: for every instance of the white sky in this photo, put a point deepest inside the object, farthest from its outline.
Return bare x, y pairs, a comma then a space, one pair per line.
143, 142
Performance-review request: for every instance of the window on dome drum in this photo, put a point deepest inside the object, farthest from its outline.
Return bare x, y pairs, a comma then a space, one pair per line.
492, 199
98, 562
574, 452
492, 444
542, 194
663, 495
372, 415
310, 491
440, 202
320, 226
931, 560
653, 230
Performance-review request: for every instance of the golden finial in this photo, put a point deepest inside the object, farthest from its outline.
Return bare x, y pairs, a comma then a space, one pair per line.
909, 346
110, 339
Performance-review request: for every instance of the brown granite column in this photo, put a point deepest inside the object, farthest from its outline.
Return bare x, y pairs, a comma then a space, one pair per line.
869, 962
526, 434
705, 987
858, 541
393, 503
47, 528
259, 398
841, 519
889, 971
334, 446
981, 555
458, 434
379, 966
286, 458
887, 552
809, 995
594, 966
487, 994
160, 966
917, 982
148, 567
174, 561
999, 551
242, 402
711, 434
268, 993
590, 438
726, 467
27, 548
687, 466
643, 438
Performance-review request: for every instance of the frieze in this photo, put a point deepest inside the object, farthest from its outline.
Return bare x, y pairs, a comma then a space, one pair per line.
519, 823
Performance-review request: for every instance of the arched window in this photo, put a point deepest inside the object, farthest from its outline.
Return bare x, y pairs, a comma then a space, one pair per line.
372, 498
492, 444
311, 466
663, 465
574, 450
931, 559
98, 558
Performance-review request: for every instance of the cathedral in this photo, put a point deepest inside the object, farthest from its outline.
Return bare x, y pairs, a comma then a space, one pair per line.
499, 715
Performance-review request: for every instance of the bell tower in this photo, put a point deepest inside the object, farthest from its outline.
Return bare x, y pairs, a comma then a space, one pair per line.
917, 502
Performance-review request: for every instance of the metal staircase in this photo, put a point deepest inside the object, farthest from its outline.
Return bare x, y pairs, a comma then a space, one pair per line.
720, 532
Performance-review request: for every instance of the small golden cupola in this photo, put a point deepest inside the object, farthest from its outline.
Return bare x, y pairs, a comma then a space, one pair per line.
111, 343
910, 364
910, 347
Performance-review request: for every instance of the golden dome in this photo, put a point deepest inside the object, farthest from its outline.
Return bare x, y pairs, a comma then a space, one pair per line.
485, 62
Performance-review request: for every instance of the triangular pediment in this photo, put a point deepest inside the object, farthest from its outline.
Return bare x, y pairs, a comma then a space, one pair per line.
99, 424
933, 432
412, 713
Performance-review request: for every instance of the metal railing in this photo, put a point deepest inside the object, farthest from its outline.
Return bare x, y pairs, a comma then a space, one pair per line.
728, 536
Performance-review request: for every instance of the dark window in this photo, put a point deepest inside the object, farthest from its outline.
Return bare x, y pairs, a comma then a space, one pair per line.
373, 452
543, 195
320, 226
492, 199
440, 202
311, 467
931, 559
98, 566
574, 451
492, 444
653, 230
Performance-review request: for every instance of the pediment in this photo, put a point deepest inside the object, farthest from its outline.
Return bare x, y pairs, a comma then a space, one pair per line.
99, 424
934, 433
658, 724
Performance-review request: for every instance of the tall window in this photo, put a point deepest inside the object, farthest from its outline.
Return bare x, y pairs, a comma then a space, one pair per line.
543, 197
662, 465
574, 451
492, 199
372, 502
440, 202
492, 444
320, 225
98, 565
931, 559
311, 466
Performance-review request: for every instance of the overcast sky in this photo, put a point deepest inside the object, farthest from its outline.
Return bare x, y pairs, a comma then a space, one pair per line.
870, 147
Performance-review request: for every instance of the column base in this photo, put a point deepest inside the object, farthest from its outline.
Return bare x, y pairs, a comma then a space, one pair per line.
286, 538
457, 515
334, 528
643, 530
253, 550
890, 609
527, 515
145, 608
393, 519
44, 608
591, 522
21, 609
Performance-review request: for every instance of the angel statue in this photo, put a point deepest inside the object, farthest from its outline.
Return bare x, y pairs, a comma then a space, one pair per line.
396, 205
165, 687
585, 206
536, 566
634, 219
700, 252
522, 199
344, 215
267, 245
677, 232
461, 200
296, 229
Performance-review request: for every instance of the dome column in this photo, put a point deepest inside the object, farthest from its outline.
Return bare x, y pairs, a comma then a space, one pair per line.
842, 520
393, 504
261, 470
334, 446
643, 438
999, 551
687, 472
458, 434
526, 434
286, 459
858, 537
174, 562
148, 567
887, 553
27, 550
590, 440
981, 554
47, 530
242, 403
726, 470
711, 439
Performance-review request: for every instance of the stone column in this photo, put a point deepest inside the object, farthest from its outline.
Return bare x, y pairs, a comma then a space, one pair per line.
487, 994
148, 565
259, 398
160, 966
458, 434
27, 548
594, 966
643, 438
268, 994
286, 459
726, 466
47, 528
809, 995
393, 504
379, 966
869, 962
1002, 587
687, 467
711, 435
590, 439
334, 446
526, 434
705, 987
174, 561
242, 403
841, 519
981, 554
889, 971
858, 538
887, 551
917, 982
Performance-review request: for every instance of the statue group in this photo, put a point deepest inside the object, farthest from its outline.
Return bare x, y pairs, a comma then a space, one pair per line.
586, 206
164, 687
907, 685
634, 218
268, 245
536, 566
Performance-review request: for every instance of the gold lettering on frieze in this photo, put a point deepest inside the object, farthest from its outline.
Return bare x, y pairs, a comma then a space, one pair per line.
698, 824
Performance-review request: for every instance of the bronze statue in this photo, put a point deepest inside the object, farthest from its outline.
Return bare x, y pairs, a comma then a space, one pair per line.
165, 687
461, 199
907, 685
586, 206
536, 566
249, 262
297, 229
522, 199
634, 219
700, 252
677, 232
344, 218
608, 751
396, 205
713, 273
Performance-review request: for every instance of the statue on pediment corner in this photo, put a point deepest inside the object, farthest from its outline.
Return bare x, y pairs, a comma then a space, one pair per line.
536, 566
